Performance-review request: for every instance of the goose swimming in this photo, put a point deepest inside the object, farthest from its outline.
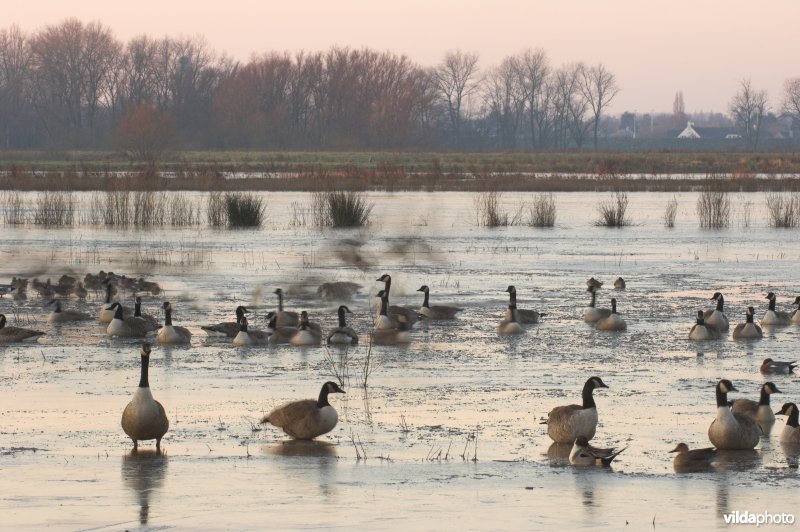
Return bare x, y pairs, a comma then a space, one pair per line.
731, 430
748, 330
306, 333
10, 334
760, 411
700, 331
613, 322
393, 311
436, 312
170, 334
247, 337
791, 431
716, 317
285, 318
591, 313
227, 328
524, 316
343, 335
59, 315
774, 317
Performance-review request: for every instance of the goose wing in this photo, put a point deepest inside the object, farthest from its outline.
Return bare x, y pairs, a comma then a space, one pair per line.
226, 328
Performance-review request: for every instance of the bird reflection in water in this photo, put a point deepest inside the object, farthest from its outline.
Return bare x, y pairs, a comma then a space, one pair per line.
319, 455
144, 472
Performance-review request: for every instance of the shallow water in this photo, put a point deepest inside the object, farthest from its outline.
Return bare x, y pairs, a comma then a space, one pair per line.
450, 425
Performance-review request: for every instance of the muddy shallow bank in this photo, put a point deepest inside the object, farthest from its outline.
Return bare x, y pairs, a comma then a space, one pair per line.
457, 390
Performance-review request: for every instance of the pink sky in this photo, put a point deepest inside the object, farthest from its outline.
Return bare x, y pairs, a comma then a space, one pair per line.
655, 47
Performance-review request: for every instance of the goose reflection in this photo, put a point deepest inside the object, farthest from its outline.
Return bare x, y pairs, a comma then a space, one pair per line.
301, 448
728, 460
144, 472
558, 453
314, 457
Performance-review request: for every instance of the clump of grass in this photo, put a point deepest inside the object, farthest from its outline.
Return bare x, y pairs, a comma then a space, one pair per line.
216, 211
184, 213
543, 210
14, 208
613, 211
244, 210
339, 208
488, 210
149, 208
783, 209
671, 212
54, 208
714, 208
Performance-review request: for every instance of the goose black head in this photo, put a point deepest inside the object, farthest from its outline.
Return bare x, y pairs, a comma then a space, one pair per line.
786, 409
716, 295
770, 388
511, 289
332, 387
145, 349
726, 386
700, 318
344, 308
771, 295
278, 291
166, 305
383, 278
751, 311
597, 382
797, 300
423, 288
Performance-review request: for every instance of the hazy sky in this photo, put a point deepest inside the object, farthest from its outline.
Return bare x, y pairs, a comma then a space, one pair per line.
655, 47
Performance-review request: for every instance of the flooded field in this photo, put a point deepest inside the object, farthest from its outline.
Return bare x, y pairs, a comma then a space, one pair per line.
447, 432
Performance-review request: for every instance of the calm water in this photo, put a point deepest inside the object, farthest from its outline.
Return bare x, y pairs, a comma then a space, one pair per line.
450, 425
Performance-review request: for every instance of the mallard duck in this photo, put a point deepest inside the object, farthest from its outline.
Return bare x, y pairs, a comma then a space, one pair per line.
687, 461
565, 423
308, 418
170, 334
748, 330
791, 432
613, 322
524, 316
436, 312
716, 317
9, 335
774, 317
593, 283
700, 331
144, 418
760, 411
343, 335
591, 313
731, 430
584, 454
227, 328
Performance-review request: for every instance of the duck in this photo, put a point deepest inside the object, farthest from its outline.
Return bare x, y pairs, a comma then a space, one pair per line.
613, 322
791, 431
399, 336
748, 330
10, 335
144, 418
795, 317
591, 313
436, 312
776, 367
170, 334
308, 418
343, 335
524, 316
247, 337
59, 315
760, 411
510, 326
774, 317
127, 327
306, 334
619, 284
700, 331
229, 329
692, 460
716, 317
285, 318
383, 321
731, 430
393, 311
583, 454
565, 423
338, 291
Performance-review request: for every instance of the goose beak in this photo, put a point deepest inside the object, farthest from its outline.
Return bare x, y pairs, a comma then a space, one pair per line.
779, 412
733, 389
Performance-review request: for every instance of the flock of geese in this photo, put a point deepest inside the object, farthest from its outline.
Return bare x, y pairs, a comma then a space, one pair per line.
739, 424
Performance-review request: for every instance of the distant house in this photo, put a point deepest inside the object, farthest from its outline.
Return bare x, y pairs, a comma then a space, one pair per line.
713, 132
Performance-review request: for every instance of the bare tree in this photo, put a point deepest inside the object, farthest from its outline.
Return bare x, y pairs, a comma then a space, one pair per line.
15, 59
599, 87
748, 108
504, 97
456, 79
791, 99
533, 70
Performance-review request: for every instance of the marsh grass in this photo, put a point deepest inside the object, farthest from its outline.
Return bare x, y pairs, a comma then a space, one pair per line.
671, 212
340, 208
488, 210
215, 210
244, 210
14, 212
543, 210
54, 209
783, 210
613, 211
183, 212
713, 206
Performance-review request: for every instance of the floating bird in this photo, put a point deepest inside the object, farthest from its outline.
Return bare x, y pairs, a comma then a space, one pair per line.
436, 312
687, 461
170, 334
383, 320
591, 313
58, 315
795, 317
127, 327
619, 283
565, 423
584, 454
10, 334
279, 335
593, 283
716, 317
144, 418
306, 419
791, 432
399, 336
731, 430
343, 335
247, 337
107, 312
510, 325
524, 316
285, 318
760, 411
748, 330
776, 367
227, 328
613, 322
772, 316
393, 311
306, 333
700, 331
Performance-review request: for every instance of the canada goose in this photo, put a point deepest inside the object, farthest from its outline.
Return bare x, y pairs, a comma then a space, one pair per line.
279, 335
731, 430
772, 316
151, 322
306, 419
169, 334
524, 316
227, 328
700, 331
791, 432
343, 335
760, 411
510, 325
716, 317
81, 291
619, 283
436, 312
593, 283
776, 367
584, 454
383, 321
338, 291
795, 317
306, 334
9, 335
144, 418
565, 423
613, 322
59, 316
128, 327
285, 318
748, 329
393, 311
107, 311
591, 313
247, 337
43, 289
399, 336
687, 461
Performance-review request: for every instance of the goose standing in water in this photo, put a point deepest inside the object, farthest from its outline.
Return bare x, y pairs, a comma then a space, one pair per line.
790, 432
343, 335
716, 317
700, 331
393, 311
584, 454
760, 411
170, 334
144, 418
10, 334
776, 367
687, 461
731, 430
748, 330
227, 328
285, 318
591, 313
307, 333
565, 423
436, 312
399, 336
510, 325
774, 317
524, 316
59, 315
795, 317
247, 337
613, 322
306, 419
